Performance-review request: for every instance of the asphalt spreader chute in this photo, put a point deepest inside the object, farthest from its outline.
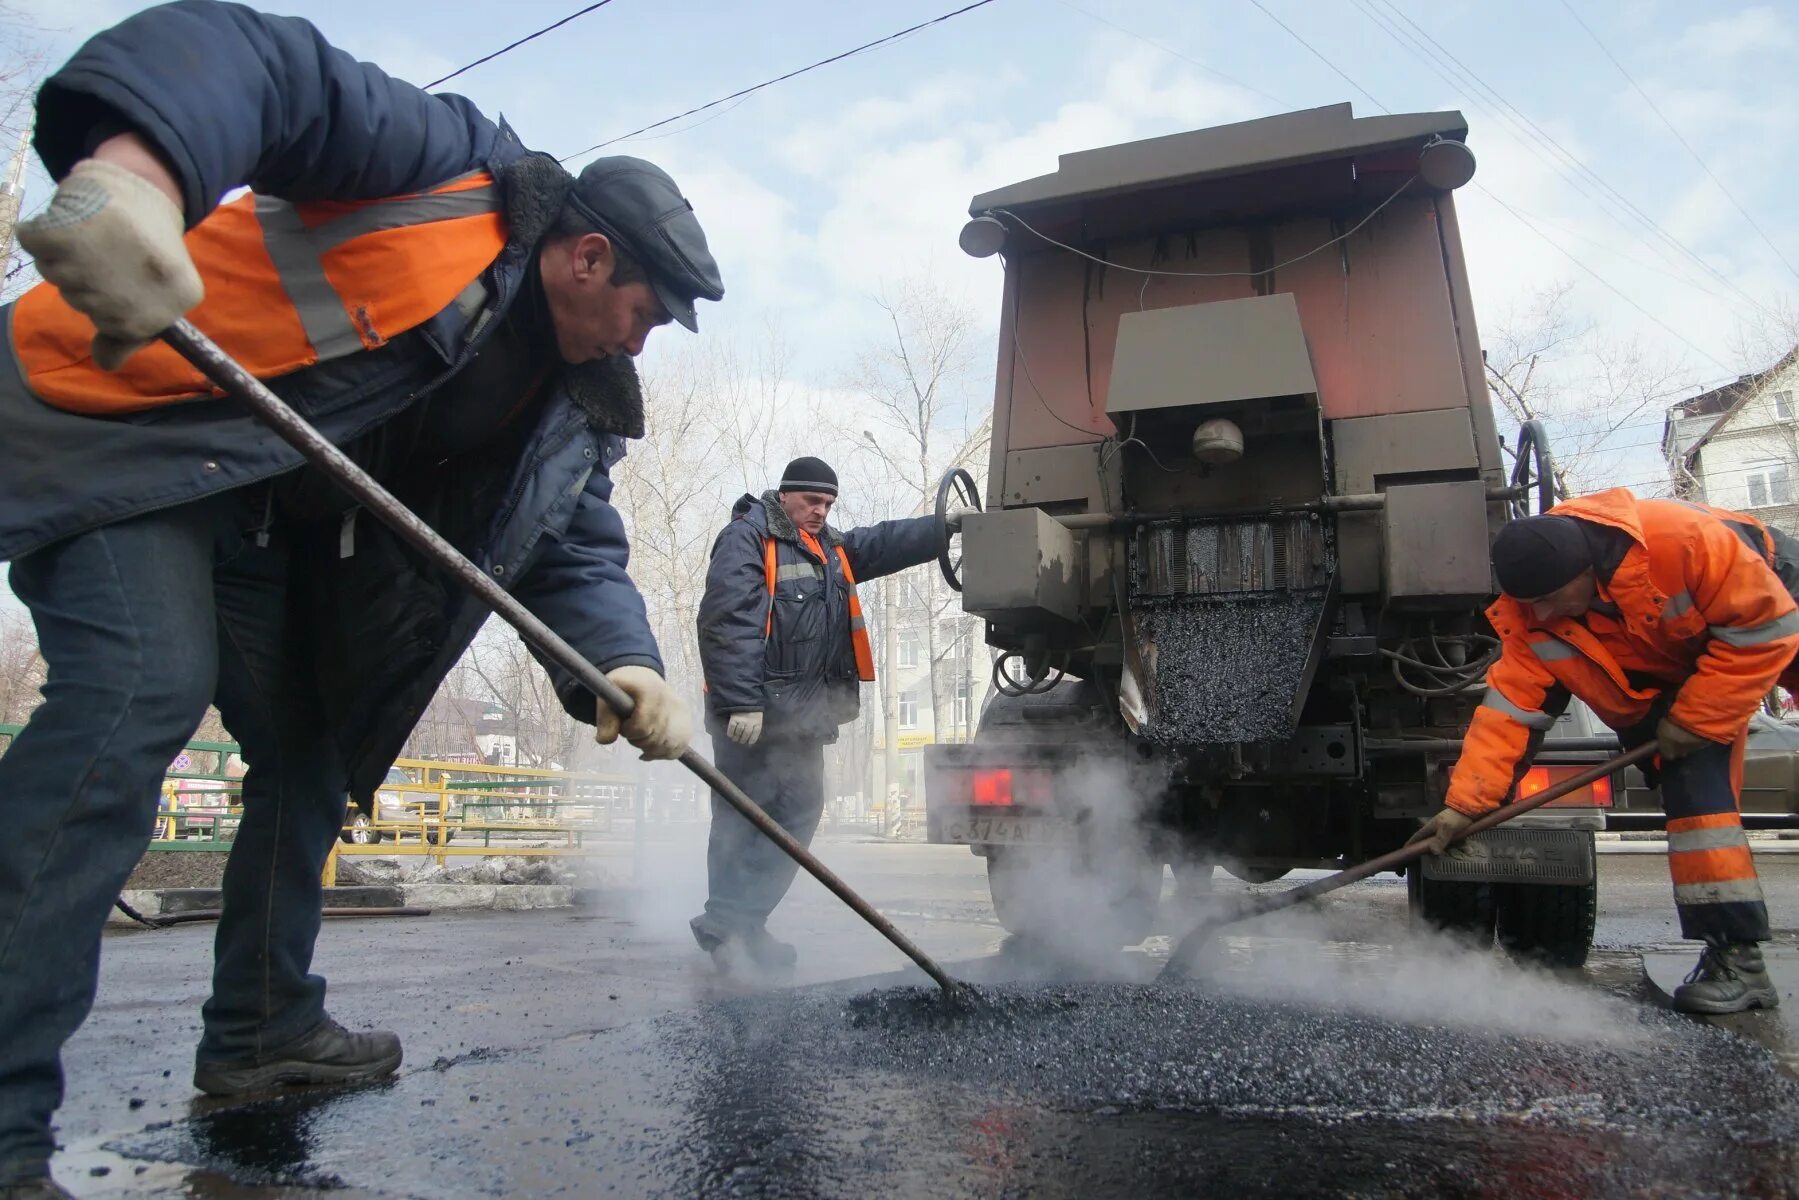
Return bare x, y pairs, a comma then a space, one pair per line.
239, 384
1186, 953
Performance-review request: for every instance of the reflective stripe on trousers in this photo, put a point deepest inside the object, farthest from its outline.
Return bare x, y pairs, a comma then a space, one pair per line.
1716, 889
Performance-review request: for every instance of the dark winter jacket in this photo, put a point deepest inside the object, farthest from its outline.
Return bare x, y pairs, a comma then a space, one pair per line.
232, 96
802, 675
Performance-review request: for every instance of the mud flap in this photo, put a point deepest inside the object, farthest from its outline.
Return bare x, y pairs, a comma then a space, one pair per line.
1551, 856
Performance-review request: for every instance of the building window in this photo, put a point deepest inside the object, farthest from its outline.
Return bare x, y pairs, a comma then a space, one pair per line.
908, 709
1769, 485
962, 702
1783, 405
908, 649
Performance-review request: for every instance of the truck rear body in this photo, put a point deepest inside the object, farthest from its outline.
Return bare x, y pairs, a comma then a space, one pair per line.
1243, 479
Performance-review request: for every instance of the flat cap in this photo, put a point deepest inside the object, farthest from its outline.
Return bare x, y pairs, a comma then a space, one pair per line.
638, 206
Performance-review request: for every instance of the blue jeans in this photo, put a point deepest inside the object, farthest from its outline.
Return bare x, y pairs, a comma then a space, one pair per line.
746, 873
141, 625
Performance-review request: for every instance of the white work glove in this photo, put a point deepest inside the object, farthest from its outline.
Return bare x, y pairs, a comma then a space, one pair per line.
659, 725
952, 520
111, 242
1440, 828
744, 728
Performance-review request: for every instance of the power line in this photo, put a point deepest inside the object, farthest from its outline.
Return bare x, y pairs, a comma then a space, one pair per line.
1149, 271
1546, 137
1654, 108
1319, 55
515, 45
1609, 286
767, 83
1508, 208
1540, 142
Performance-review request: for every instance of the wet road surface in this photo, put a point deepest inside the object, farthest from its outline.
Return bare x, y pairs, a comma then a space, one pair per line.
597, 1054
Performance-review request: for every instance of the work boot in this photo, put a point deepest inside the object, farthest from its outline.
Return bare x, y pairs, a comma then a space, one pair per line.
1730, 977
328, 1054
766, 952
43, 1188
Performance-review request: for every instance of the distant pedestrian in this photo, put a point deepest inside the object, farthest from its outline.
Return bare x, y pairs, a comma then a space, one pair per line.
785, 652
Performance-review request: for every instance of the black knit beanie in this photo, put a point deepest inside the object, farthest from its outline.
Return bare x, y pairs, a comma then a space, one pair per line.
809, 475
1534, 556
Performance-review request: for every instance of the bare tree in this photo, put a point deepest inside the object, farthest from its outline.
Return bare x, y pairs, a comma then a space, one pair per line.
914, 383
1597, 396
21, 667
23, 59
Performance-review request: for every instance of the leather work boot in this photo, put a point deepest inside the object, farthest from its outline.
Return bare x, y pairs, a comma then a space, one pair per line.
1730, 978
45, 1188
329, 1054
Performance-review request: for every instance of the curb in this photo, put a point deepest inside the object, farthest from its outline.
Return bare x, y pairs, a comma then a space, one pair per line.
439, 897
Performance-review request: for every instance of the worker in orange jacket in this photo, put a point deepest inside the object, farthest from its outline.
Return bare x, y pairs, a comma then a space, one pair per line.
1671, 620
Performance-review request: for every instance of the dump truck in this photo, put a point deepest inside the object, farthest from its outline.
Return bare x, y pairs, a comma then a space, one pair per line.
1233, 560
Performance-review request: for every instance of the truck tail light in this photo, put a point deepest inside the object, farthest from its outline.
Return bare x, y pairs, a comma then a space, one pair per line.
992, 787
1008, 786
1595, 795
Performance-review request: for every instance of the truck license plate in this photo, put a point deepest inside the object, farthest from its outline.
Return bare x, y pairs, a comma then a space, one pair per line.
1035, 831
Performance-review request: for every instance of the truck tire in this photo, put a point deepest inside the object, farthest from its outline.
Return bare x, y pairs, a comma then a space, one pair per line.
1255, 874
1463, 909
1121, 912
1550, 924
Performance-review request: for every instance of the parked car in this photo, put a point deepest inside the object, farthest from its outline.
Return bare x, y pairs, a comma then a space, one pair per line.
1770, 772
396, 807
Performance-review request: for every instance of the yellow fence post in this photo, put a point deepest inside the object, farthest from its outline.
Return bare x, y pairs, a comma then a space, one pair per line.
329, 875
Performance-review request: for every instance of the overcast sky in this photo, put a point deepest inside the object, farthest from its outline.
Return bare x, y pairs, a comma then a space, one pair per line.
818, 190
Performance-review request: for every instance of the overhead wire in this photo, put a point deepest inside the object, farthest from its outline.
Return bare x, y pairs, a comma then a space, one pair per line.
1508, 208
1150, 271
1539, 141
794, 74
508, 48
1319, 55
1603, 281
1686, 145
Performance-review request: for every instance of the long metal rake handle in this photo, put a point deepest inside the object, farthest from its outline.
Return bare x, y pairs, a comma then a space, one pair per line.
224, 371
1181, 960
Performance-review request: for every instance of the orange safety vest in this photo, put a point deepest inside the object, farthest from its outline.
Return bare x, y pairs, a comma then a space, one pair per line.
1699, 609
287, 286
865, 657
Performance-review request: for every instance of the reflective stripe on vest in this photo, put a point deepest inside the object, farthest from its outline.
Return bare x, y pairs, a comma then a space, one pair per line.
1530, 718
287, 286
1552, 649
1757, 635
773, 573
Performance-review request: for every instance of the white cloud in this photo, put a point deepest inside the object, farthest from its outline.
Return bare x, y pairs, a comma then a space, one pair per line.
1751, 31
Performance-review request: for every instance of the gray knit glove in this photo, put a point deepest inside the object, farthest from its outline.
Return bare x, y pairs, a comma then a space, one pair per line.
111, 242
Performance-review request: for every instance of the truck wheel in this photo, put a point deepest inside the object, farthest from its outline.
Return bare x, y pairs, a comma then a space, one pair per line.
1255, 874
1551, 924
1099, 913
1465, 909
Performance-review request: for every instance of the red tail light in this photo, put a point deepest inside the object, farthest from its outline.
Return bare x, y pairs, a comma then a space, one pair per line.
1007, 786
1595, 795
993, 787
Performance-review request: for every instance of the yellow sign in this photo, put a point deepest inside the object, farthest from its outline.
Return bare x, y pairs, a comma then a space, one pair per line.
908, 741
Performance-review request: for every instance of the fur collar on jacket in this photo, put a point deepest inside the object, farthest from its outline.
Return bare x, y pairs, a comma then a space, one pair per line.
775, 519
608, 392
